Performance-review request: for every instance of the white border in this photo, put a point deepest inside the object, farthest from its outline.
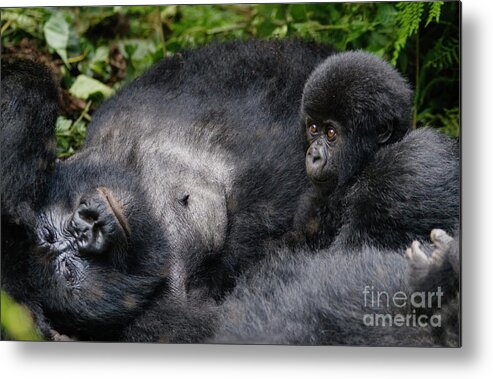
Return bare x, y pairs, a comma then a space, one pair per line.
85, 360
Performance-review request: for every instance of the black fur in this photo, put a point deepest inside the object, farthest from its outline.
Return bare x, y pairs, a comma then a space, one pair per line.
28, 106
302, 298
376, 181
380, 187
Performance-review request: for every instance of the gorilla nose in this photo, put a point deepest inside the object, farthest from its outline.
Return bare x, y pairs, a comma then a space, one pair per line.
316, 164
315, 158
89, 226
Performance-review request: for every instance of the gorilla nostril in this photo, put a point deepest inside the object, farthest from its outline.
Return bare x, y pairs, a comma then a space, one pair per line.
315, 157
97, 224
89, 215
88, 229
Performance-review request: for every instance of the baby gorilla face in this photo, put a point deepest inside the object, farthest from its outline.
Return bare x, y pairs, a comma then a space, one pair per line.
353, 103
323, 139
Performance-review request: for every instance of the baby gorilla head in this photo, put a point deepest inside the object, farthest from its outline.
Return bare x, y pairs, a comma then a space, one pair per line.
352, 104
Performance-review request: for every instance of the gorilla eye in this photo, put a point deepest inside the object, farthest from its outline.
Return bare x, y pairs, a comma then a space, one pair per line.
331, 134
313, 129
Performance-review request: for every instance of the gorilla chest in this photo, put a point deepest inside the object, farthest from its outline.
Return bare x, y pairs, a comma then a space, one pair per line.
187, 187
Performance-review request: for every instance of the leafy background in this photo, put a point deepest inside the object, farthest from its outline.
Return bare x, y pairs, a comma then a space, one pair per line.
96, 50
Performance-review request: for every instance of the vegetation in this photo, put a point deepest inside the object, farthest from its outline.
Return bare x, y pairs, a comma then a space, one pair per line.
17, 323
96, 50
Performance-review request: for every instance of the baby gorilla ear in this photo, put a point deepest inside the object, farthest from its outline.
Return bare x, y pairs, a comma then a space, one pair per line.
384, 131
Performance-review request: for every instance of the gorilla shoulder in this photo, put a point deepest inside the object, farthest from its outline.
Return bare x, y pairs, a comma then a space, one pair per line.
409, 188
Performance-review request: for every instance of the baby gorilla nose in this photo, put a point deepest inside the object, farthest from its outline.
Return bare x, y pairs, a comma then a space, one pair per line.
316, 161
315, 156
96, 226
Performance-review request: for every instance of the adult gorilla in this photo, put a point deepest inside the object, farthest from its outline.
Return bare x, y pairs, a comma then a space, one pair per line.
185, 173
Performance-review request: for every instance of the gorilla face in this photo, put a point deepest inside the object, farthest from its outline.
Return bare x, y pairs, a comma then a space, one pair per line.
353, 103
92, 225
335, 152
98, 255
324, 143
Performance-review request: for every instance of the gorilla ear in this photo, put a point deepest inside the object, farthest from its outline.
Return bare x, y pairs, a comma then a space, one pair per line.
384, 132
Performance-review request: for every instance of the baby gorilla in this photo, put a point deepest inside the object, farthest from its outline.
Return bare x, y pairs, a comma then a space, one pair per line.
377, 186
375, 180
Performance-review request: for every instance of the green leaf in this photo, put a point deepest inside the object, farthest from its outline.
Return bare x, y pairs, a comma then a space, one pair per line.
98, 63
17, 320
298, 12
57, 33
62, 126
169, 11
280, 31
23, 21
84, 87
70, 135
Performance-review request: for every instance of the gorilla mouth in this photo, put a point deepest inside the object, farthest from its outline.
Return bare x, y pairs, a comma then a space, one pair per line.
324, 182
69, 268
116, 209
320, 180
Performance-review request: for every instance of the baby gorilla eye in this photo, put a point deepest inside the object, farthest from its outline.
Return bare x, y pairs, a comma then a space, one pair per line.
313, 129
331, 134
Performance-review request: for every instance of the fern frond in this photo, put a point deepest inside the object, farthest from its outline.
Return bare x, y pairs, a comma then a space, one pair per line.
434, 12
409, 16
444, 54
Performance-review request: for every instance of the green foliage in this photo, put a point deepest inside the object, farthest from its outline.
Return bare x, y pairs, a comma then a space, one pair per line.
84, 87
70, 134
409, 17
56, 31
17, 322
99, 49
434, 12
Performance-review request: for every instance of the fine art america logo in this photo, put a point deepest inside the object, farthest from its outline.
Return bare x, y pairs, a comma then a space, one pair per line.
418, 309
